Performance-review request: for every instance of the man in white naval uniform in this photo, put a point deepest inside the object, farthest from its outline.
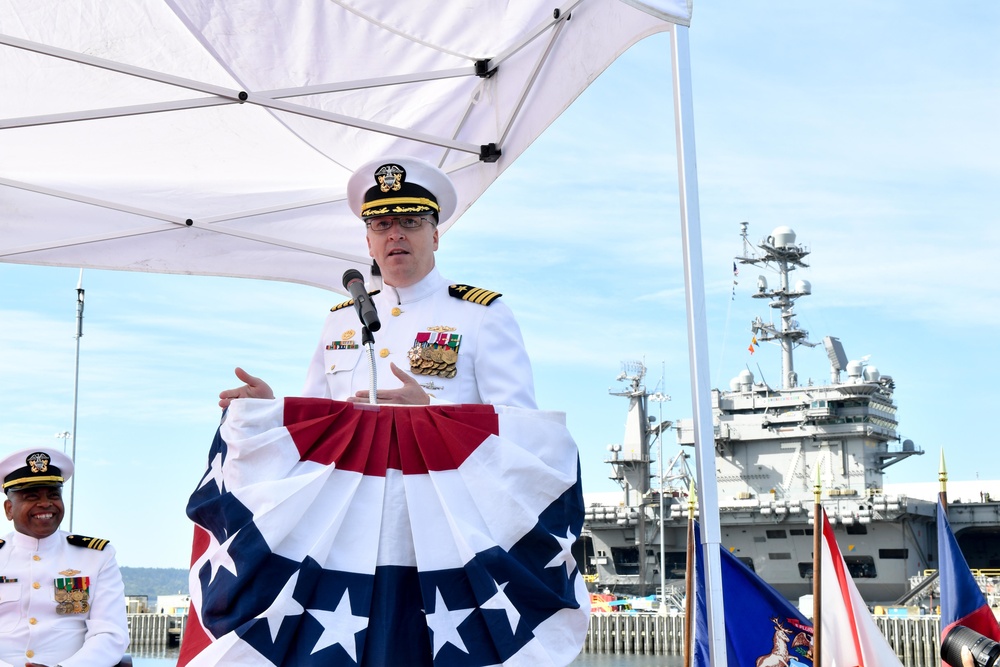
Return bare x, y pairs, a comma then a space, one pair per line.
489, 364
440, 342
62, 600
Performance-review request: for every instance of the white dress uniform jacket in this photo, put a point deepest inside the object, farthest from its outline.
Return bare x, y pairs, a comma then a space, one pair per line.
490, 363
95, 634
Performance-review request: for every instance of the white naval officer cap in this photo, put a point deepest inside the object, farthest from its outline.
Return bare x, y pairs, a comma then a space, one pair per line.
400, 185
36, 466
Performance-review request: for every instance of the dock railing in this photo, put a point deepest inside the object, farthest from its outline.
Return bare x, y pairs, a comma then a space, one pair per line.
913, 638
153, 630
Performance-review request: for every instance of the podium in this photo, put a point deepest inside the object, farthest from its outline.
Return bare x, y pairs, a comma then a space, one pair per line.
331, 533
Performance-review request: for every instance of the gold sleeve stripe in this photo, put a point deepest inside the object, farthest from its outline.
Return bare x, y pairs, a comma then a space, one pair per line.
350, 302
483, 297
347, 303
95, 543
480, 296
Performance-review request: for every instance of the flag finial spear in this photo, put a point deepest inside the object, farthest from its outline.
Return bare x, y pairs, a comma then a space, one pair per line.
818, 485
943, 479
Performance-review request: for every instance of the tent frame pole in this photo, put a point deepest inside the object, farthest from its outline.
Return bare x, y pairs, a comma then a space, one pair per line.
694, 290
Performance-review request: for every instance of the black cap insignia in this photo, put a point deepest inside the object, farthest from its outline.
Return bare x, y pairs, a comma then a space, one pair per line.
38, 462
390, 177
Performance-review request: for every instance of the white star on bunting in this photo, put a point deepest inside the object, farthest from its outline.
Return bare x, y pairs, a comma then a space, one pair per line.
565, 555
283, 606
502, 602
220, 557
214, 473
339, 627
444, 622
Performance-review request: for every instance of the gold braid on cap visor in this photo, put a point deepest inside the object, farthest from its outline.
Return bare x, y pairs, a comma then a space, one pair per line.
24, 480
389, 201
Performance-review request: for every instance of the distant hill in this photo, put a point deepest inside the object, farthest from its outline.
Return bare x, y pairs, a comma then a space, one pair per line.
154, 581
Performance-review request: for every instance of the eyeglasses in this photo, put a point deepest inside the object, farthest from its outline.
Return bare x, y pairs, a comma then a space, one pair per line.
385, 224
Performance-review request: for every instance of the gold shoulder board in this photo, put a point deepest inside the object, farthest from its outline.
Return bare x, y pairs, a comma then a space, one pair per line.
87, 542
350, 302
483, 297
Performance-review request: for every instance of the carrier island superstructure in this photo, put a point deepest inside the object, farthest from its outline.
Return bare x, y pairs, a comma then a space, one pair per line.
769, 442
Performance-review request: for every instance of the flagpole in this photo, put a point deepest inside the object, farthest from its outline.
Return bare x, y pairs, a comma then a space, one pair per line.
689, 587
817, 566
76, 393
694, 291
943, 499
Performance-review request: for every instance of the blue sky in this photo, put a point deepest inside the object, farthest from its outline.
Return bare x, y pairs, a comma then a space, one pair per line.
869, 128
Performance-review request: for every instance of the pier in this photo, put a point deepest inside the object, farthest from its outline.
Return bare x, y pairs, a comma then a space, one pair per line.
156, 630
913, 638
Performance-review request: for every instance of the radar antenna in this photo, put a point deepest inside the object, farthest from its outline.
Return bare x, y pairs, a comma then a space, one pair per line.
779, 253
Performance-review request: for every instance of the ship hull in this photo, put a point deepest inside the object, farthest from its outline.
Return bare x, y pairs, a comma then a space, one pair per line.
886, 558
778, 451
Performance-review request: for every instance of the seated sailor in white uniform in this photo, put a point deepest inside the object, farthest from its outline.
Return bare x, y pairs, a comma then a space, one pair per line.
62, 600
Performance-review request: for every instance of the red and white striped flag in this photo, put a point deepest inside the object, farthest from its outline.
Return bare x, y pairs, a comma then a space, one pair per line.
850, 637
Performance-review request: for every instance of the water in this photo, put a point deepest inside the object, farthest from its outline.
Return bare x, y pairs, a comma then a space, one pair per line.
605, 660
154, 657
159, 657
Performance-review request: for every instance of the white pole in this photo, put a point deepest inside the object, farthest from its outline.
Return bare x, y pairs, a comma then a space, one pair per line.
663, 554
76, 390
687, 173
659, 397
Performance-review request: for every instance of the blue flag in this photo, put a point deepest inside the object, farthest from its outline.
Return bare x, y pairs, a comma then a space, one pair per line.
760, 623
962, 602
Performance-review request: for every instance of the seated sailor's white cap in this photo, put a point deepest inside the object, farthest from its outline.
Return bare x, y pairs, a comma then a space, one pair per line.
35, 467
398, 185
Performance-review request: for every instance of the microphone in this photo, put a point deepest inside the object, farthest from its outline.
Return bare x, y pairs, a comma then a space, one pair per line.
355, 284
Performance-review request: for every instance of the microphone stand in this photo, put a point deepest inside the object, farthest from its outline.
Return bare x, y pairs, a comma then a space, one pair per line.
368, 340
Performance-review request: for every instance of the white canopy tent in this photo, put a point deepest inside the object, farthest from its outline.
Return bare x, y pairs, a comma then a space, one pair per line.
215, 137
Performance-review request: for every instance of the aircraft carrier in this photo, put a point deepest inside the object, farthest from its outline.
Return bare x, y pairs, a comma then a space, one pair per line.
769, 442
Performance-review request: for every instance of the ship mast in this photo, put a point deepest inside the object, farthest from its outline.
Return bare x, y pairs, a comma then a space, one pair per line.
782, 254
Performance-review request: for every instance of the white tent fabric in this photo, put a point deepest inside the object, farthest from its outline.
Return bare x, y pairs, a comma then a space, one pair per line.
215, 137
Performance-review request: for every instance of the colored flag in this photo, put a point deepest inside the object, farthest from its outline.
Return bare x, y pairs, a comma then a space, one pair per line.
329, 533
736, 271
850, 637
962, 601
760, 622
